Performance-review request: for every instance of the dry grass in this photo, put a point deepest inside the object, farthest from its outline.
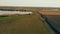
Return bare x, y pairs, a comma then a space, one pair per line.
29, 24
51, 12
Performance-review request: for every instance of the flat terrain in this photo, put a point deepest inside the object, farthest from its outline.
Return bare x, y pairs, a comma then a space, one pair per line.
53, 17
29, 24
55, 21
46, 12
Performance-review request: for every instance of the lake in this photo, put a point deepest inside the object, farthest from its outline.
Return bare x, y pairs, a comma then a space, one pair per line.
15, 12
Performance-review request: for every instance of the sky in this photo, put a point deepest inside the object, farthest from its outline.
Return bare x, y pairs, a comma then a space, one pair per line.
31, 3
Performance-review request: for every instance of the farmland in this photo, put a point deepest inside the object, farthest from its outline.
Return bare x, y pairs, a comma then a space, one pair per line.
52, 17
23, 24
27, 24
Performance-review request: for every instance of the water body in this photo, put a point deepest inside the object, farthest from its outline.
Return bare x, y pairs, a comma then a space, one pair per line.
15, 12
54, 22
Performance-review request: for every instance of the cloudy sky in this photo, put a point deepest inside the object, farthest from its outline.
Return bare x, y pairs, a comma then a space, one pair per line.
32, 3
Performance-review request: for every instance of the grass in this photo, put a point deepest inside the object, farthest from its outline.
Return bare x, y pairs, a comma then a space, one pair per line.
7, 18
29, 24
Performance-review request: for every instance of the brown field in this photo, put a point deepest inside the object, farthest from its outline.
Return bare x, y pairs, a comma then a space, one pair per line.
49, 12
29, 24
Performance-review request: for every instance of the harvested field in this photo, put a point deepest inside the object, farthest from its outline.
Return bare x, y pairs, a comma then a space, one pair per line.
50, 12
29, 24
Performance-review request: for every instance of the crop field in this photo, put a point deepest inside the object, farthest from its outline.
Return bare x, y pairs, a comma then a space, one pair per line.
53, 18
27, 24
55, 22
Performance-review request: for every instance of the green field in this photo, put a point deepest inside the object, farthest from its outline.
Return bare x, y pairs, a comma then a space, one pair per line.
29, 24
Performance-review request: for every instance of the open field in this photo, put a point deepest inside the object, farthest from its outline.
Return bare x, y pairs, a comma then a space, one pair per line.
52, 18
29, 24
54, 22
49, 12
